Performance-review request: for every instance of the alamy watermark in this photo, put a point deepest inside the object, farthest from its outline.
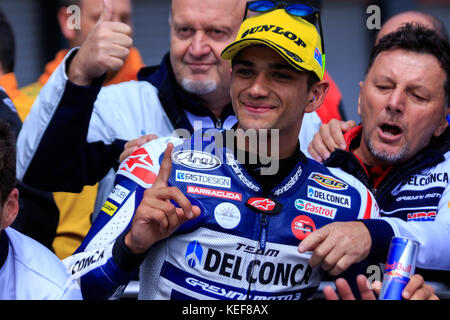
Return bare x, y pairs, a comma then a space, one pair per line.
374, 20
374, 273
74, 20
251, 146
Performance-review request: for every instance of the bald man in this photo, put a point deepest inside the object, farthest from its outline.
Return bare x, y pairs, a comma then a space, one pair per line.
422, 18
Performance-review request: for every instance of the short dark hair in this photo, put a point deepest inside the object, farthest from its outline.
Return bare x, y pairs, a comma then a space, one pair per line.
68, 3
312, 80
7, 45
417, 38
8, 179
439, 26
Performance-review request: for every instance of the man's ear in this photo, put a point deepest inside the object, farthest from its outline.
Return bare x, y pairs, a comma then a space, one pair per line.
67, 32
442, 125
361, 83
316, 95
10, 209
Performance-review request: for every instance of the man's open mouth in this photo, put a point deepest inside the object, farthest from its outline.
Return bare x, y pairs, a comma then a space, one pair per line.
390, 129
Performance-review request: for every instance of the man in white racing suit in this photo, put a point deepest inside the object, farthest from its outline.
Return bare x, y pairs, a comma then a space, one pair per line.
203, 222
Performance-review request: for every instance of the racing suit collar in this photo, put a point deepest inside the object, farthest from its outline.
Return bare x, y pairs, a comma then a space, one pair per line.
290, 170
428, 156
353, 138
286, 167
439, 144
376, 173
174, 99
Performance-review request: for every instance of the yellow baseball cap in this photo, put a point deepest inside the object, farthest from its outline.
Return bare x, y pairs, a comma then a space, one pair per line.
294, 38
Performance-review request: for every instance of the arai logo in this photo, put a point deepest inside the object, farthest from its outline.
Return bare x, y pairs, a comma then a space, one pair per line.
197, 159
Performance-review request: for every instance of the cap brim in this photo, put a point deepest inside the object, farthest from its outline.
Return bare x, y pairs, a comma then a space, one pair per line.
234, 48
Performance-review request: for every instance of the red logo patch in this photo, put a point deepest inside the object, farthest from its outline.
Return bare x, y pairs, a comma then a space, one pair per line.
263, 204
302, 226
215, 193
140, 165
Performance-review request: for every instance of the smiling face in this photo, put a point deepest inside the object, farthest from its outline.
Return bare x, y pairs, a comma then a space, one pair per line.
402, 106
200, 30
268, 93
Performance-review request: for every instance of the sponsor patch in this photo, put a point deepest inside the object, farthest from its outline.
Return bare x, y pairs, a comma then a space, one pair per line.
215, 193
119, 194
86, 261
140, 166
202, 178
329, 197
315, 208
422, 216
420, 182
302, 226
318, 57
194, 253
227, 215
328, 181
109, 208
195, 159
264, 205
417, 197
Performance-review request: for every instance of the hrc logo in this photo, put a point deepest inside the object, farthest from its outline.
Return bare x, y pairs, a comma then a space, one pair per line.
422, 216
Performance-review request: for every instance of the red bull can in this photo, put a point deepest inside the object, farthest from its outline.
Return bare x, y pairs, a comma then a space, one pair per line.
400, 266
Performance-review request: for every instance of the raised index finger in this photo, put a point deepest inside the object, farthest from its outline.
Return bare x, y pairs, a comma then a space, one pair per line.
166, 167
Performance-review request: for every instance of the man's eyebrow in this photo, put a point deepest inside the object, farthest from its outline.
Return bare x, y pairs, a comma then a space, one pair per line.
283, 66
383, 78
274, 66
245, 63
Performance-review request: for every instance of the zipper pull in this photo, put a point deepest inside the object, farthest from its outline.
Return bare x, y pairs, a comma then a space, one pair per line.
219, 124
264, 206
263, 232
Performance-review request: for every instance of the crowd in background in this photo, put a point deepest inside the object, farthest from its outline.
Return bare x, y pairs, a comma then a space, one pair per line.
91, 109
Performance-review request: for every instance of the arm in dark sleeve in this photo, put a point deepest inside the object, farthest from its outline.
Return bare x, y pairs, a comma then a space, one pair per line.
381, 233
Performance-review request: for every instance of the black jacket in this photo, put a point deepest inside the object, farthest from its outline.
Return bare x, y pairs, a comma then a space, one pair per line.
381, 232
38, 214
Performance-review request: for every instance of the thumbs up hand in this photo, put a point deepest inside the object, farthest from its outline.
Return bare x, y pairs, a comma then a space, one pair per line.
105, 49
156, 217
